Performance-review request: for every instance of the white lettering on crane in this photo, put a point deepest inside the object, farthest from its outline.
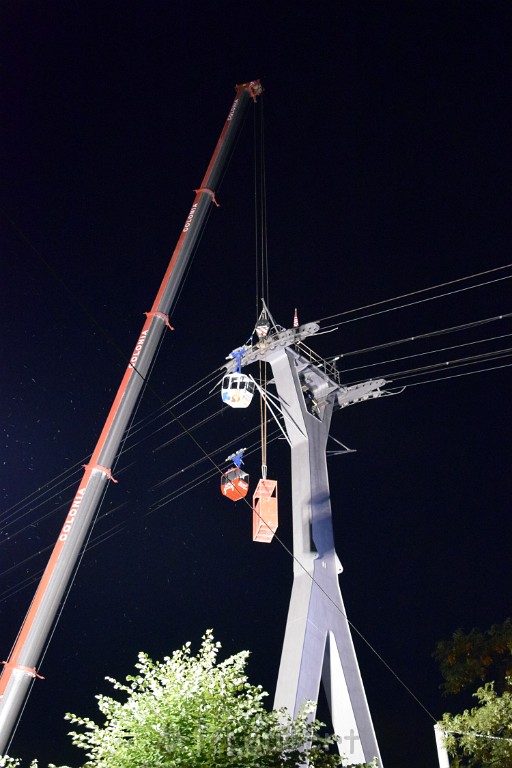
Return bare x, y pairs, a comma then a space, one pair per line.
70, 519
189, 218
232, 110
138, 347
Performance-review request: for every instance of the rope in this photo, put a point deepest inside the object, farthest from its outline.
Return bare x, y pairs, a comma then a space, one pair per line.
263, 417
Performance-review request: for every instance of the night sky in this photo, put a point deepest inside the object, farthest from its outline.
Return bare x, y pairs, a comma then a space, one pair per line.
387, 139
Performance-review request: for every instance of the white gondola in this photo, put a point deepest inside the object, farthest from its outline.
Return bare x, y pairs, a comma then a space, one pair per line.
237, 390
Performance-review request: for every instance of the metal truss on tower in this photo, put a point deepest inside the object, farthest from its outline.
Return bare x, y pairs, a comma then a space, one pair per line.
318, 644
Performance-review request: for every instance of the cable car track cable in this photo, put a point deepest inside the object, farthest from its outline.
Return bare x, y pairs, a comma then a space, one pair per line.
397, 376
428, 352
418, 336
355, 629
296, 559
417, 292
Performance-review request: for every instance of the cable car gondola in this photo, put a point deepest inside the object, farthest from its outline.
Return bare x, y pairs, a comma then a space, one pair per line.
234, 483
237, 390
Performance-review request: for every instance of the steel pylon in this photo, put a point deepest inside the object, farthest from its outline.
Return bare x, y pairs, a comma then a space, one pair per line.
318, 645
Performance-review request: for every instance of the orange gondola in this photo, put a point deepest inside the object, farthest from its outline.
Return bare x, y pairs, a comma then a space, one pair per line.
234, 483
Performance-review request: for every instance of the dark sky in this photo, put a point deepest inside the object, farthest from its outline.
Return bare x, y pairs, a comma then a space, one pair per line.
387, 171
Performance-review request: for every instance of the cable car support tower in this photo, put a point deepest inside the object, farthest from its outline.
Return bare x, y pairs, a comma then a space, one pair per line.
318, 644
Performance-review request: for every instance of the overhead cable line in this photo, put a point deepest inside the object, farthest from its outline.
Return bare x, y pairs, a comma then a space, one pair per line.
414, 303
457, 362
415, 293
37, 497
223, 448
206, 476
369, 645
203, 382
118, 527
195, 426
192, 390
459, 375
428, 352
418, 336
396, 377
417, 371
54, 483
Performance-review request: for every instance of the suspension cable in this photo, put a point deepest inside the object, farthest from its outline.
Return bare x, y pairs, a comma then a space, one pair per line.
417, 292
429, 352
364, 639
207, 455
429, 334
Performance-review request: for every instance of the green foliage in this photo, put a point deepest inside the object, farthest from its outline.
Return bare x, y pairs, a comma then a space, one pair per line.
193, 712
469, 658
482, 737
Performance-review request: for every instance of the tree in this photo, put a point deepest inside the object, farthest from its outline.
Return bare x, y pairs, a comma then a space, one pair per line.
482, 736
193, 712
475, 657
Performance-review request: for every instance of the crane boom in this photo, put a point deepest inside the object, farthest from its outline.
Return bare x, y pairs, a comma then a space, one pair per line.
20, 669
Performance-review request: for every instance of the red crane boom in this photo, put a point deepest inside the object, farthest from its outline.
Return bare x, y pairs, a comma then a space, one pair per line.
20, 669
